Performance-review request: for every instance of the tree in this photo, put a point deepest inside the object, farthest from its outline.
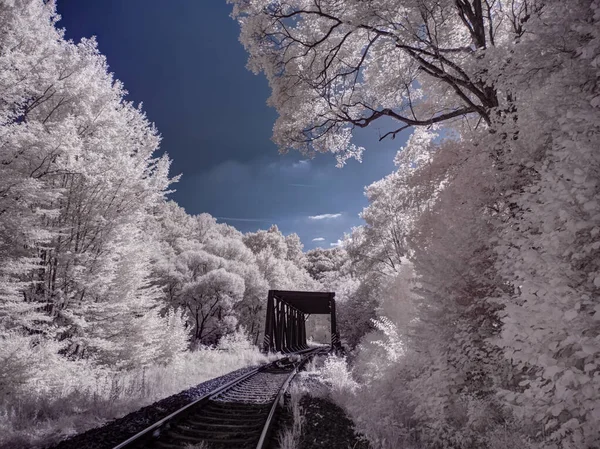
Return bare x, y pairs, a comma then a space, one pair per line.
334, 66
295, 250
78, 182
196, 245
209, 298
271, 239
241, 261
282, 274
321, 261
280, 259
250, 311
499, 213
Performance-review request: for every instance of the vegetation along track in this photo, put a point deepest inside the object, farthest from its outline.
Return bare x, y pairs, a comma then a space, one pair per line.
238, 414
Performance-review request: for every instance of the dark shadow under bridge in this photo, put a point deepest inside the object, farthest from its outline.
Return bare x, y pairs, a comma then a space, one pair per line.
287, 312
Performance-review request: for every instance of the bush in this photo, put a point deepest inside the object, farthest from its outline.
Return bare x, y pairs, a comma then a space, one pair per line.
55, 398
336, 374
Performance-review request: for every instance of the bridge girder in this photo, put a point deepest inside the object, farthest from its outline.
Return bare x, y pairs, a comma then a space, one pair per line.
287, 312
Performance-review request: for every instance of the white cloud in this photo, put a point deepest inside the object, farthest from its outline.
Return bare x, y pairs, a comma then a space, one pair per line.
338, 243
318, 239
324, 216
264, 220
303, 163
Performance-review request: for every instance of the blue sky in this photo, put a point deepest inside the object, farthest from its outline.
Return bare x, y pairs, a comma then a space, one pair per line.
182, 59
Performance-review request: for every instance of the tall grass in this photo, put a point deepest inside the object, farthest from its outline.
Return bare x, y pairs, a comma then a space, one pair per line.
50, 407
289, 438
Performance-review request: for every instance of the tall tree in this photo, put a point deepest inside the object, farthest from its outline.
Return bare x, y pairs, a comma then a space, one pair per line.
501, 221
78, 179
334, 66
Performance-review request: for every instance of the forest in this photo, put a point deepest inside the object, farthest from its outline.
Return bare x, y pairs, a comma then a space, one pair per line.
469, 298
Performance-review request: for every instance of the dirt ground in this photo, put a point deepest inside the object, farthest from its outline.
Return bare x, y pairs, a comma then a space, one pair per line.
325, 426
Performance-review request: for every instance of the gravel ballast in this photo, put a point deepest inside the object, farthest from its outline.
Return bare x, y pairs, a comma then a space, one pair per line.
326, 426
118, 430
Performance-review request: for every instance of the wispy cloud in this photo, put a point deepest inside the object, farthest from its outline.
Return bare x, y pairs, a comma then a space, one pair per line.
302, 185
324, 216
338, 243
318, 239
265, 220
303, 163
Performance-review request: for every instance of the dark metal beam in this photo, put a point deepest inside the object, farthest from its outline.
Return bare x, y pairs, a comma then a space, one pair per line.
287, 312
269, 324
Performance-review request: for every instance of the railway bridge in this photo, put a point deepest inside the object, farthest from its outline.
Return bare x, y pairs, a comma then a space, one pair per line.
242, 412
287, 312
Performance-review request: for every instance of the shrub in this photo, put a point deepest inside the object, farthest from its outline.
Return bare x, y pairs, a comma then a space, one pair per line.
55, 397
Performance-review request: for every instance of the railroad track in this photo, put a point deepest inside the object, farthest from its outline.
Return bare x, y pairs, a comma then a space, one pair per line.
239, 414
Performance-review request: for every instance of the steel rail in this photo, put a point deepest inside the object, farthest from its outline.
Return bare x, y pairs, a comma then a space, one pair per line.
149, 431
267, 427
138, 436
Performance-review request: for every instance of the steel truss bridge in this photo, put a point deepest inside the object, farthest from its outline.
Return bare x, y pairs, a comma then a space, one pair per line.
287, 312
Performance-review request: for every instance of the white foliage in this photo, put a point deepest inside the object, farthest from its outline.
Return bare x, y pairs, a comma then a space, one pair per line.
335, 373
497, 211
101, 279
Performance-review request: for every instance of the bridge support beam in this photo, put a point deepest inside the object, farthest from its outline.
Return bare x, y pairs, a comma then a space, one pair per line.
335, 337
285, 323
